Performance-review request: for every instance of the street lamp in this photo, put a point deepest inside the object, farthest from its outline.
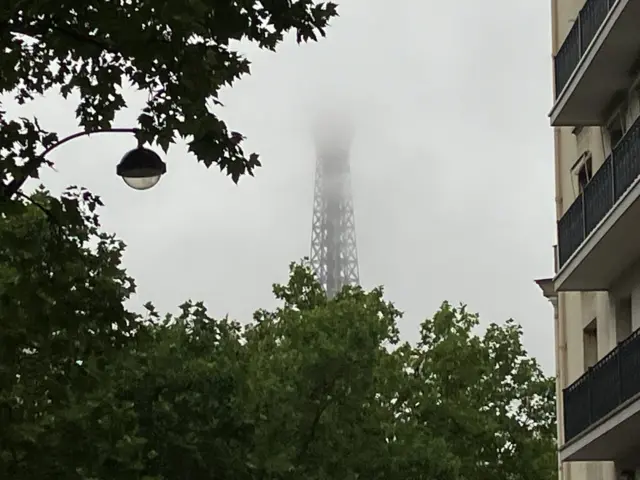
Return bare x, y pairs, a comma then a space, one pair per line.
141, 168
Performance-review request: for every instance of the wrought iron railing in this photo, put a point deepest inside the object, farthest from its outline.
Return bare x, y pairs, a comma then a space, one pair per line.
604, 387
589, 20
610, 181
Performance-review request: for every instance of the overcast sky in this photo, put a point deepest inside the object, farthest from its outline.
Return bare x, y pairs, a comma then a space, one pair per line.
452, 168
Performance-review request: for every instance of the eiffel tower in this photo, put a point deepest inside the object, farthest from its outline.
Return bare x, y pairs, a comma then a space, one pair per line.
334, 256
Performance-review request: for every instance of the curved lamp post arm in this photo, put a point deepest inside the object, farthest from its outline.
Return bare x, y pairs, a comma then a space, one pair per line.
32, 165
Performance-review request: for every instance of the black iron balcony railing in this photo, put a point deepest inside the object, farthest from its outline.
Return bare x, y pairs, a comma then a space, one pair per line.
607, 385
591, 16
610, 181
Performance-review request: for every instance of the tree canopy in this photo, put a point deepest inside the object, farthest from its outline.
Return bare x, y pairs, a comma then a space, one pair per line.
181, 53
317, 388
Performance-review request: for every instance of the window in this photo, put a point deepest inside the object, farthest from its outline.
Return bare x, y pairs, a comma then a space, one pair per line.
584, 174
628, 475
590, 345
633, 112
583, 170
623, 318
616, 129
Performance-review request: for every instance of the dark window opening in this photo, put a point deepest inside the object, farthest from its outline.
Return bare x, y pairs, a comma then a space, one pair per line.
584, 174
616, 130
590, 344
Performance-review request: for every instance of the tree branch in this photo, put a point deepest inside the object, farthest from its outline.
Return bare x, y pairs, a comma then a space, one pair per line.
36, 32
79, 37
33, 164
312, 431
324, 390
40, 207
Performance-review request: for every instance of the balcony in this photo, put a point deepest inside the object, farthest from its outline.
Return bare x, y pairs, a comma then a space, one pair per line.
599, 234
602, 409
595, 61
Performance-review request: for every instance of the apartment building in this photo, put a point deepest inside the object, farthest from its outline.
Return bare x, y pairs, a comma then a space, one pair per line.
596, 287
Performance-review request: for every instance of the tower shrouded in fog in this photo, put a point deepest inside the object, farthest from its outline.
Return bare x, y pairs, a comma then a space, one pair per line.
334, 256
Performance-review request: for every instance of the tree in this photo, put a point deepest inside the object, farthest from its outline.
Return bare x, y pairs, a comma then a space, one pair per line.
327, 384
317, 388
488, 399
322, 388
293, 395
180, 52
62, 318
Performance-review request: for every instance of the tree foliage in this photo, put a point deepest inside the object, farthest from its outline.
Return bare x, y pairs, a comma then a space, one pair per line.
181, 53
317, 388
488, 398
61, 318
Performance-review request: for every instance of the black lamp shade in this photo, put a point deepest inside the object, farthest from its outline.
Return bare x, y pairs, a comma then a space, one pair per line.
140, 163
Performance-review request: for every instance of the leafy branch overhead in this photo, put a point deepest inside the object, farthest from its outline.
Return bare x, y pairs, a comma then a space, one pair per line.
180, 52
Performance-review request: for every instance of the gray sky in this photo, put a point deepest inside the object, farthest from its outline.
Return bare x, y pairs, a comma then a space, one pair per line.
452, 168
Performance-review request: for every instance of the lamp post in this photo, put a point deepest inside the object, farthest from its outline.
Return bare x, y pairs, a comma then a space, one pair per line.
140, 168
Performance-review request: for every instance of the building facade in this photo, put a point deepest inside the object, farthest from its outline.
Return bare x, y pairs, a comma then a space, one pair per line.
596, 287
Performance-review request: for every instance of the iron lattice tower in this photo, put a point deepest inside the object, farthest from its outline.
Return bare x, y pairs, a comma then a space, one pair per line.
334, 256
